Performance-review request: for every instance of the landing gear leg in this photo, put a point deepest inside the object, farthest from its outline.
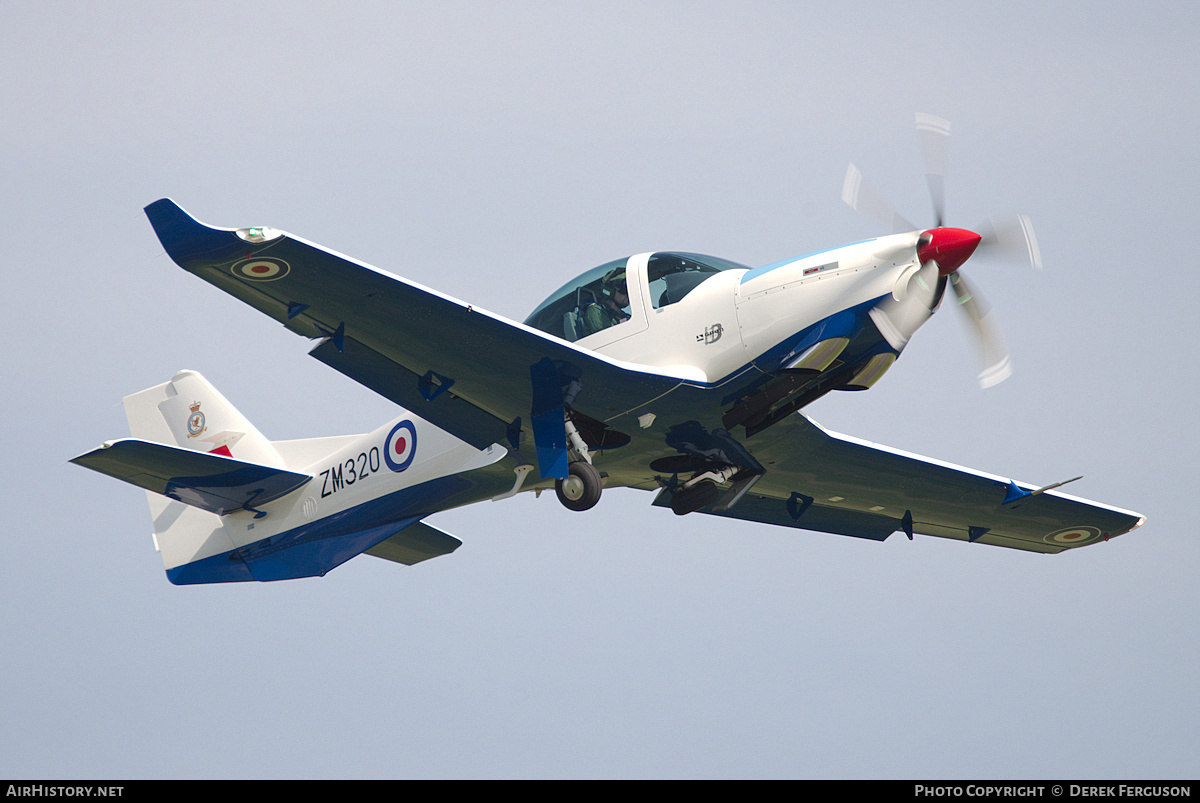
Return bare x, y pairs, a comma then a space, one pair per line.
580, 490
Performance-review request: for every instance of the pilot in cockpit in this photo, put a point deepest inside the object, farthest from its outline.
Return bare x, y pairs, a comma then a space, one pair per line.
610, 309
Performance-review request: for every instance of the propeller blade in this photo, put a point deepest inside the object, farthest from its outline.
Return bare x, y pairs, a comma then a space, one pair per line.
859, 196
900, 315
1011, 237
940, 252
933, 136
997, 366
940, 293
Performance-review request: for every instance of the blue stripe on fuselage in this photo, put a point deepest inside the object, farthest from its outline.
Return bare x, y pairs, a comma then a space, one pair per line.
850, 322
313, 549
762, 367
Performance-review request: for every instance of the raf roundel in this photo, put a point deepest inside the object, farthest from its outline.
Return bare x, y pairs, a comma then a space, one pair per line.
261, 269
1073, 536
400, 446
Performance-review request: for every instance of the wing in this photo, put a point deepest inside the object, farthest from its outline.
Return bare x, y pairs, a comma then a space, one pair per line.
477, 375
824, 481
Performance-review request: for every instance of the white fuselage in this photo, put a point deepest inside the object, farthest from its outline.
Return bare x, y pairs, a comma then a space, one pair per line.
737, 315
400, 455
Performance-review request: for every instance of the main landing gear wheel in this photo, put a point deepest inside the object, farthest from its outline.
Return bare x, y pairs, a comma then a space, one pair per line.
580, 490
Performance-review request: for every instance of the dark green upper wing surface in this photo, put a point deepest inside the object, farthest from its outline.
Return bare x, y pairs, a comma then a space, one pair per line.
461, 368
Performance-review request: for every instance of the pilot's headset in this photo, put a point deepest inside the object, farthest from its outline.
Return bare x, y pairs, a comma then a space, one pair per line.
614, 280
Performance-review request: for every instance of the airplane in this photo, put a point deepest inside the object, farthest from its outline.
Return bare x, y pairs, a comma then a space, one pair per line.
671, 372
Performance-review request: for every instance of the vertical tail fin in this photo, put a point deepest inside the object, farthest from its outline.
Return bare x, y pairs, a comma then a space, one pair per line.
192, 414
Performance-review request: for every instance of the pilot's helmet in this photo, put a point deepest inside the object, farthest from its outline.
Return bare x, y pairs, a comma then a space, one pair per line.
614, 281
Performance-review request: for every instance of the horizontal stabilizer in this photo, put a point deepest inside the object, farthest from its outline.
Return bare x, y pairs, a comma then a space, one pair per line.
415, 543
208, 481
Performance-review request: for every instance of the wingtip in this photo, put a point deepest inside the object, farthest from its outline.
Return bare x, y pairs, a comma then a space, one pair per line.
162, 203
184, 236
164, 213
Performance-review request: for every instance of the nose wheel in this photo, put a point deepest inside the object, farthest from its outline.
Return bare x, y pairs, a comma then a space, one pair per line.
581, 489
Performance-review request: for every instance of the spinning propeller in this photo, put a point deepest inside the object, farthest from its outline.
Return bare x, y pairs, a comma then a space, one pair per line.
947, 249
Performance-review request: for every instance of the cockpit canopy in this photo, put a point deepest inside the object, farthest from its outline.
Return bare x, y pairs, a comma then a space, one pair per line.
599, 298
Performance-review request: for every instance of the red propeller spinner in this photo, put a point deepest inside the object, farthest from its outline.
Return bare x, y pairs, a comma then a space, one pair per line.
950, 248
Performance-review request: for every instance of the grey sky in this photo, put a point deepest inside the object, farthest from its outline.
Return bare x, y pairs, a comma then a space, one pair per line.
492, 151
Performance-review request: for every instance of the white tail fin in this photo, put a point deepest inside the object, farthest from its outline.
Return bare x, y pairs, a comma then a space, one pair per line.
190, 413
